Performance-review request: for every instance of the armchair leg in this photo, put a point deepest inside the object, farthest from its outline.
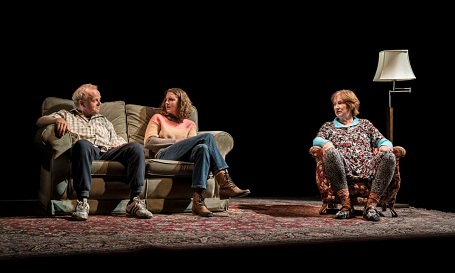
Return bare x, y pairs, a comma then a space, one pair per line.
323, 209
391, 207
392, 210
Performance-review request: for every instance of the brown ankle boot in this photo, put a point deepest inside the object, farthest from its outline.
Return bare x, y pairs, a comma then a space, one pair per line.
199, 207
227, 187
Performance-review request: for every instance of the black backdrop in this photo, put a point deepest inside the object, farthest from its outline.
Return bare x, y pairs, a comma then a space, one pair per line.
266, 81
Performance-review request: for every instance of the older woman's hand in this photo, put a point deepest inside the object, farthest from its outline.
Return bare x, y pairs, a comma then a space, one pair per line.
327, 145
385, 148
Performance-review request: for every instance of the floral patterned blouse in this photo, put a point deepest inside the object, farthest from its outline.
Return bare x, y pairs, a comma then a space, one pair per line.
355, 143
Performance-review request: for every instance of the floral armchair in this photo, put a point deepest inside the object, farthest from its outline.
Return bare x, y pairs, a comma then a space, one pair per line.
358, 189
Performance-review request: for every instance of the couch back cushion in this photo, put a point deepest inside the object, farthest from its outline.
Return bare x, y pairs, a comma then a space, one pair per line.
138, 117
113, 110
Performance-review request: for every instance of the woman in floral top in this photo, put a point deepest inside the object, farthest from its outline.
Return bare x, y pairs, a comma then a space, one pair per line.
348, 144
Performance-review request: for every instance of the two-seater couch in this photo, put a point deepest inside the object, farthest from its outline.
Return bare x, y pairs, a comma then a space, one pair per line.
167, 185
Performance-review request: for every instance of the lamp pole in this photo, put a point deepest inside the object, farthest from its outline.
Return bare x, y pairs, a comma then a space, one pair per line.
390, 112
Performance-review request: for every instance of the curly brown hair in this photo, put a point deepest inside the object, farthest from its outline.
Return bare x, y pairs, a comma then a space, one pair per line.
184, 104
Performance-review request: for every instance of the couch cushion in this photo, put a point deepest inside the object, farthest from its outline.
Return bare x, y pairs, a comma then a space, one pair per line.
108, 168
138, 117
54, 104
115, 112
159, 167
153, 167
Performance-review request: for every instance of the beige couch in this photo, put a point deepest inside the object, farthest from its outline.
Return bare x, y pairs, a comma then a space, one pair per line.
167, 185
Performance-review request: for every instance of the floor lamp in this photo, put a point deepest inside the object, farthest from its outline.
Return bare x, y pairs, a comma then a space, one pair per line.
393, 66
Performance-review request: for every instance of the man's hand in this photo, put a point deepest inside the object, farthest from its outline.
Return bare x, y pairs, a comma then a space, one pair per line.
61, 127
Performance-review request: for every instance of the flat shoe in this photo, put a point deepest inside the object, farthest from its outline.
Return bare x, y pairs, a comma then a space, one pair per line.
371, 213
345, 213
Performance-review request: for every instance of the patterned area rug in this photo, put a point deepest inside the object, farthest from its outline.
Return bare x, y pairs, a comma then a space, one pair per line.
249, 222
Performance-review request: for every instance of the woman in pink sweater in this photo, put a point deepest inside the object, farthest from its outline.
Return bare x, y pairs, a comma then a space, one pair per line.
171, 135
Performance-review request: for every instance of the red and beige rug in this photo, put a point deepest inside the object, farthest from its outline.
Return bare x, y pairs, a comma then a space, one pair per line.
248, 222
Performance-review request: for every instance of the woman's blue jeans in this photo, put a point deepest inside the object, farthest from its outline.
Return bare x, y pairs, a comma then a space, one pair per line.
202, 151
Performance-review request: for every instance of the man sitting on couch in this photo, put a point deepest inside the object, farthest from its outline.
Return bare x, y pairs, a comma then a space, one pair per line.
97, 139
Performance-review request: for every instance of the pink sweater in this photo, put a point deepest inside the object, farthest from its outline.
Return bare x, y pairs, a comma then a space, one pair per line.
168, 131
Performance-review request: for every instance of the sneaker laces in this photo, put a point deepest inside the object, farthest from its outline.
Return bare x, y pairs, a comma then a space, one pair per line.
82, 210
138, 208
140, 203
81, 206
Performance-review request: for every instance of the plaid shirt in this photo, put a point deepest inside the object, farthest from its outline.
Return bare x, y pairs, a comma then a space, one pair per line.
98, 129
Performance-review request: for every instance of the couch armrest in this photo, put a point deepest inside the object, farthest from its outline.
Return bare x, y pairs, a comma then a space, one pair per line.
48, 140
224, 141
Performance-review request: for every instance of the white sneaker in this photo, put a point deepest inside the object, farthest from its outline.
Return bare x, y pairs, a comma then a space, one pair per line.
82, 209
138, 209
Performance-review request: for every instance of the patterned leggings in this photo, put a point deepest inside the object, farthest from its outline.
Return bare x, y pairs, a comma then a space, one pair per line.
335, 169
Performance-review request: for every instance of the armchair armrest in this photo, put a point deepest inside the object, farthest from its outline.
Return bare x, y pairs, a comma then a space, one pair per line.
224, 141
399, 151
316, 152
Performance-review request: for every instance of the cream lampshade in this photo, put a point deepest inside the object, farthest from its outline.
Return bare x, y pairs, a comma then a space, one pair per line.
393, 66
